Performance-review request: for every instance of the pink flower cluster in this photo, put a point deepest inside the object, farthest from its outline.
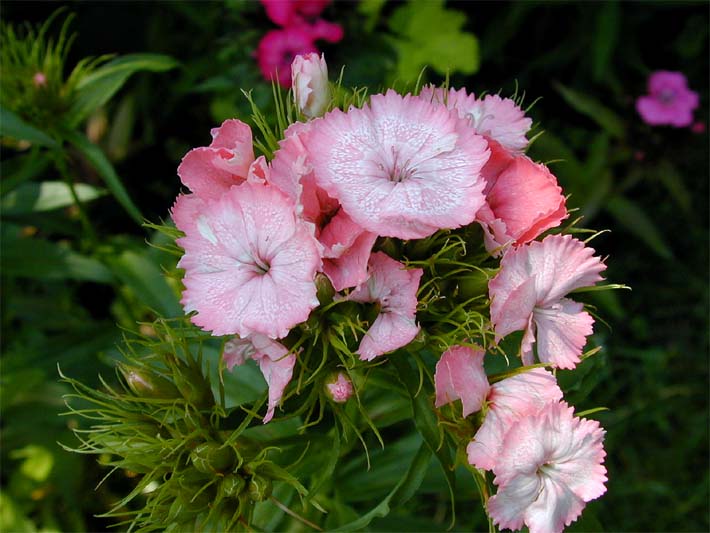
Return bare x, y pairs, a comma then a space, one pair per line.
669, 100
547, 463
258, 234
300, 27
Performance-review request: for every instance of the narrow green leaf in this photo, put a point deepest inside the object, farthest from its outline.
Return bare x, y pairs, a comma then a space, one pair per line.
22, 168
146, 280
45, 196
45, 260
606, 35
98, 87
425, 420
13, 126
593, 109
404, 490
629, 215
105, 169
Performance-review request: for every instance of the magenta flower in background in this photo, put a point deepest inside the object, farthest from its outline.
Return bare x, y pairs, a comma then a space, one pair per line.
669, 101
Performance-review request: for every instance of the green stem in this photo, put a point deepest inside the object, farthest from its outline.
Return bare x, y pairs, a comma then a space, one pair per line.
60, 163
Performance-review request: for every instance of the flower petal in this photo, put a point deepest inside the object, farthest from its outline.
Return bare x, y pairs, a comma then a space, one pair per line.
460, 376
562, 331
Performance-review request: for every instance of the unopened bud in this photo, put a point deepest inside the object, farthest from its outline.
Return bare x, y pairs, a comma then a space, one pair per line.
147, 384
324, 288
476, 283
232, 485
309, 79
210, 457
193, 385
339, 388
39, 80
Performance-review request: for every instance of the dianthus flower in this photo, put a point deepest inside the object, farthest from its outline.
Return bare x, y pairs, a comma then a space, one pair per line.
523, 199
506, 402
549, 466
669, 101
394, 288
460, 376
528, 294
249, 261
346, 245
400, 166
498, 119
275, 362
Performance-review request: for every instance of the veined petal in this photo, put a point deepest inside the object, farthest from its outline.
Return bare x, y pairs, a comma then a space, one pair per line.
562, 331
460, 376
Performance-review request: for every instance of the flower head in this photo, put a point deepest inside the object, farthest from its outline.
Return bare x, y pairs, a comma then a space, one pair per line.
400, 166
394, 288
507, 401
669, 101
249, 262
550, 465
523, 199
528, 294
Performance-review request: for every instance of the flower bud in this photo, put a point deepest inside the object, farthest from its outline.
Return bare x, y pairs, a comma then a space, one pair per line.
192, 384
39, 79
476, 283
339, 388
259, 488
145, 383
232, 486
210, 457
309, 79
325, 290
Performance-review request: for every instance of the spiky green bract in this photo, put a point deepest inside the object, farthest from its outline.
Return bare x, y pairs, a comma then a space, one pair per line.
161, 420
32, 80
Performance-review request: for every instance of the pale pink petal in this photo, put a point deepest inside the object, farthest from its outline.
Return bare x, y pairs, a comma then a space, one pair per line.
249, 264
340, 389
511, 305
186, 211
350, 268
556, 507
562, 331
237, 351
277, 374
460, 376
508, 506
209, 172
508, 400
400, 167
309, 82
389, 332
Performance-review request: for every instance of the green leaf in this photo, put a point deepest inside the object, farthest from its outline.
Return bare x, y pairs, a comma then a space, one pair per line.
605, 38
41, 259
13, 126
430, 35
147, 282
593, 109
98, 87
38, 461
105, 169
403, 491
425, 420
45, 196
629, 215
23, 168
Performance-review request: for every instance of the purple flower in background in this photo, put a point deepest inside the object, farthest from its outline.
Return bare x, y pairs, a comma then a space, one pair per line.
669, 101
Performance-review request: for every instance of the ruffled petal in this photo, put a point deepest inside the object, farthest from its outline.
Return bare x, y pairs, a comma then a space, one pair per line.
562, 331
509, 505
460, 376
388, 332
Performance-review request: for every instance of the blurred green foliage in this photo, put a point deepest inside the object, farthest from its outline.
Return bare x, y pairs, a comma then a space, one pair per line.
95, 150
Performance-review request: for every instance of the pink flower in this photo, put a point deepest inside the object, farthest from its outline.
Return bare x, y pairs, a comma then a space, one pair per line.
528, 294
394, 288
400, 166
460, 376
669, 101
346, 245
39, 79
340, 388
496, 118
508, 400
275, 362
289, 12
278, 48
210, 171
550, 465
523, 199
249, 262
309, 79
